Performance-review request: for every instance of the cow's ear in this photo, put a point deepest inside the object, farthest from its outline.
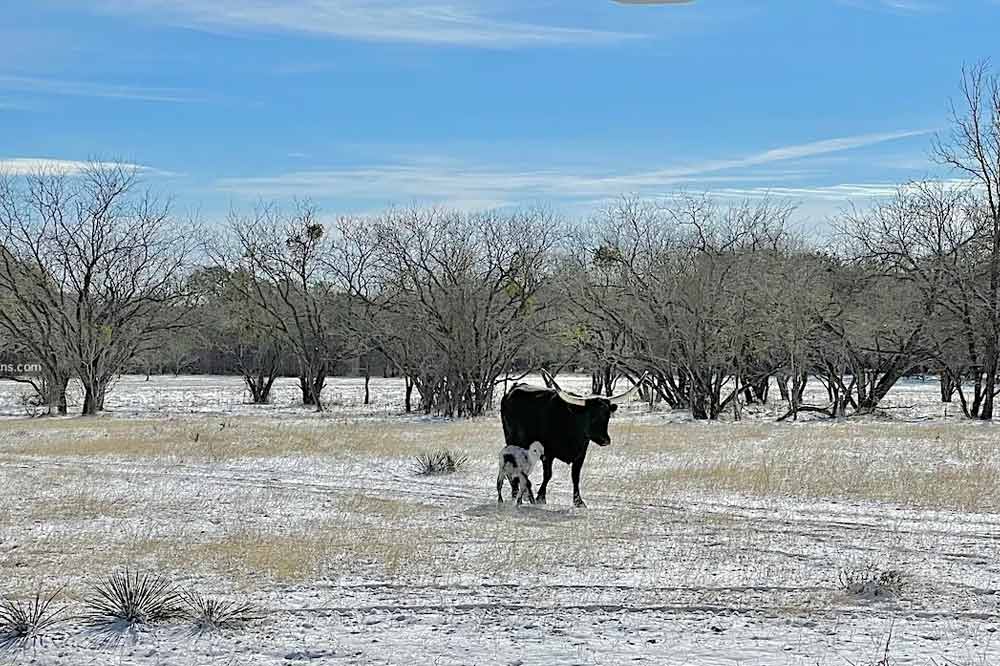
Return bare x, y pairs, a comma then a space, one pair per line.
614, 407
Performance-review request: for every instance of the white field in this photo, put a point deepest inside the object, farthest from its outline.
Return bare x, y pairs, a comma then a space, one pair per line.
704, 543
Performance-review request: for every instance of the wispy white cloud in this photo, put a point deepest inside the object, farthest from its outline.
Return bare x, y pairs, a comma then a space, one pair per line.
446, 180
785, 153
24, 166
835, 193
838, 192
37, 85
455, 22
897, 6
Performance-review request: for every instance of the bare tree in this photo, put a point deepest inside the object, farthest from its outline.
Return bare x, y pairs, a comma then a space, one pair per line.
282, 266
231, 326
96, 265
676, 276
470, 283
972, 148
30, 322
929, 240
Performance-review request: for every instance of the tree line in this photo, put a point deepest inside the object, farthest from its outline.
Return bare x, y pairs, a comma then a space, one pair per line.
713, 301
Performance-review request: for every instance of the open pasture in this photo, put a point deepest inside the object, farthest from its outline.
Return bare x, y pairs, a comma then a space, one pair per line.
724, 543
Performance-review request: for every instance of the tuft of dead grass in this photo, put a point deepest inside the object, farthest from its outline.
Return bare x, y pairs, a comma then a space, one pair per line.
207, 615
871, 580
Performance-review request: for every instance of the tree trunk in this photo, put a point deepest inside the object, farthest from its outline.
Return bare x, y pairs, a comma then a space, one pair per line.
318, 383
609, 380
265, 394
368, 378
947, 386
755, 393
55, 387
89, 401
306, 387
260, 387
800, 386
311, 384
95, 388
408, 400
989, 390
596, 381
782, 381
989, 384
701, 400
795, 395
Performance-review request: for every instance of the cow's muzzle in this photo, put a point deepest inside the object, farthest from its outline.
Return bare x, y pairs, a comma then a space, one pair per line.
604, 442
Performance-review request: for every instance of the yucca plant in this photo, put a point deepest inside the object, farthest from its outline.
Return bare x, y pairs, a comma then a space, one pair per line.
871, 580
26, 623
441, 462
208, 614
129, 602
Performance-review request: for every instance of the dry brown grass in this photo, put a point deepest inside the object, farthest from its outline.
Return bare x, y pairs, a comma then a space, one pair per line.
764, 458
205, 439
940, 466
127, 501
324, 551
77, 508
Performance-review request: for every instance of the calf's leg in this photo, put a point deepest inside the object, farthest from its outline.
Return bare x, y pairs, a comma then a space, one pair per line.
524, 483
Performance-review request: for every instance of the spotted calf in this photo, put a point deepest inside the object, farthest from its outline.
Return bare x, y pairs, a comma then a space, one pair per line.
516, 464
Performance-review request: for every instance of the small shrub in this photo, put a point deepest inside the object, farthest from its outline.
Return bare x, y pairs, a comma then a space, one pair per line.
208, 615
127, 603
32, 404
441, 462
24, 623
871, 580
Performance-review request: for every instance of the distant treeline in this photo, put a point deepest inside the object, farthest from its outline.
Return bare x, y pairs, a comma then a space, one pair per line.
713, 301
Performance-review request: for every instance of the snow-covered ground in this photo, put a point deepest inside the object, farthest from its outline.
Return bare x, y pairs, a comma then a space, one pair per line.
704, 543
135, 395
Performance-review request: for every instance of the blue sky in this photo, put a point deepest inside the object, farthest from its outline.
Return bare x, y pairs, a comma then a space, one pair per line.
359, 105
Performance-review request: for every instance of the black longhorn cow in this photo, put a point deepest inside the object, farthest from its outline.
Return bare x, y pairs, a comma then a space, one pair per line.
564, 423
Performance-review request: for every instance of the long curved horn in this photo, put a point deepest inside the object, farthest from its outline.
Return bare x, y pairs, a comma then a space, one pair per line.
572, 399
550, 380
618, 399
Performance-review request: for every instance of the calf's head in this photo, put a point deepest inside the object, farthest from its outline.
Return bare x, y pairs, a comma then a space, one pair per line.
535, 453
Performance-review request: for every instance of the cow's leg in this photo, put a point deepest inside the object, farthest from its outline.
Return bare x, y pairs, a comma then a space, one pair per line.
575, 471
500, 479
546, 475
515, 488
527, 489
